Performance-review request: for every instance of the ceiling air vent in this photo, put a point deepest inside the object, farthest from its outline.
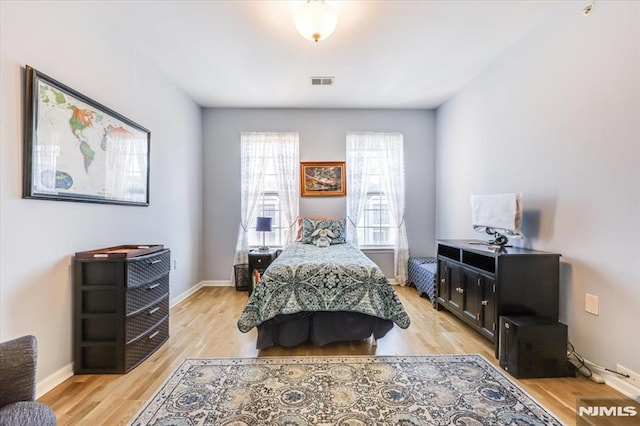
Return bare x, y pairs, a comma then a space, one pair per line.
322, 81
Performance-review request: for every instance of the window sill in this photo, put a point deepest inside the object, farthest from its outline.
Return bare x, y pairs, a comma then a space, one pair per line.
376, 249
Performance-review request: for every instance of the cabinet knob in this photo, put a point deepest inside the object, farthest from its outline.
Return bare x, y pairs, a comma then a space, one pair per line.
259, 260
442, 280
485, 302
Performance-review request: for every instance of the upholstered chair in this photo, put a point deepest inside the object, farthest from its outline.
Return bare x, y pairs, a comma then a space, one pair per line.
18, 406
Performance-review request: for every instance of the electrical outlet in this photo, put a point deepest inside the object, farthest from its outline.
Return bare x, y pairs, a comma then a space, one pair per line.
633, 379
591, 304
175, 263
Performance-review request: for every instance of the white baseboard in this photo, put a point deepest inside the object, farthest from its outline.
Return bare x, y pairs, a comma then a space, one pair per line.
216, 283
617, 382
179, 298
48, 383
220, 283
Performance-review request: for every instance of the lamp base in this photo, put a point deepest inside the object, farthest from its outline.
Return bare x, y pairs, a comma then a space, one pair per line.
264, 248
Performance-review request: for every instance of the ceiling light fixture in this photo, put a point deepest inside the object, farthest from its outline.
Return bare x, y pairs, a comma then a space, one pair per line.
588, 8
316, 20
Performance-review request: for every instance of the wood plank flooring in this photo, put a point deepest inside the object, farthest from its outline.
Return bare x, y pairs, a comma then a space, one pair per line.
204, 325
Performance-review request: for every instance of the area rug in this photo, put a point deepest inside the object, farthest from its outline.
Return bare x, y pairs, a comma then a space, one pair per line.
355, 390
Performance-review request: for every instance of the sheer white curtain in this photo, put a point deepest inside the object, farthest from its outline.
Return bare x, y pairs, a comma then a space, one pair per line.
253, 150
391, 146
255, 147
389, 150
285, 149
358, 172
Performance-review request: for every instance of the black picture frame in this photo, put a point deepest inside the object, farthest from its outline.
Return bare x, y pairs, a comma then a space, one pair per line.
76, 149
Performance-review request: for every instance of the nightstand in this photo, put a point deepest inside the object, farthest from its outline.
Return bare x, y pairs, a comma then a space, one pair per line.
258, 262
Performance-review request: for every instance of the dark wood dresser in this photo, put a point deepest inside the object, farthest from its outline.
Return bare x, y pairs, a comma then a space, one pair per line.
121, 308
479, 284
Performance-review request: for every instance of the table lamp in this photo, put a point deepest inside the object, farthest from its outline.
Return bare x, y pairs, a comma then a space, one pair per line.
263, 225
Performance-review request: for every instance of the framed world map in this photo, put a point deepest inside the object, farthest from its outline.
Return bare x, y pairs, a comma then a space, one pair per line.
76, 149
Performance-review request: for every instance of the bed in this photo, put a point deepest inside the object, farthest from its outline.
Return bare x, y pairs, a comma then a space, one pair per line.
321, 295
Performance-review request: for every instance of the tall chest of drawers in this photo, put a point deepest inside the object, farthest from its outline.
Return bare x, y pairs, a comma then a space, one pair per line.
121, 311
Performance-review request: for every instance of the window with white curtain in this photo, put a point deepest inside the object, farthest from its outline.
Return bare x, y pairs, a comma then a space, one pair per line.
269, 188
375, 200
366, 156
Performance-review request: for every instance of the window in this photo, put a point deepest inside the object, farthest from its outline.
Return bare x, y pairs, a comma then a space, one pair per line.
374, 226
370, 182
269, 188
269, 205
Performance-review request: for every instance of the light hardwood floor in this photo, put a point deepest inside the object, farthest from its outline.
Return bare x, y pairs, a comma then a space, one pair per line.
204, 325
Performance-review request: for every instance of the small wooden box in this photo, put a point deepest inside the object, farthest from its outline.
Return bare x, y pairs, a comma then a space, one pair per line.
120, 252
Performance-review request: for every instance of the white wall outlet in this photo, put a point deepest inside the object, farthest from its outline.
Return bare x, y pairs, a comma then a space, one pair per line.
633, 379
175, 263
591, 304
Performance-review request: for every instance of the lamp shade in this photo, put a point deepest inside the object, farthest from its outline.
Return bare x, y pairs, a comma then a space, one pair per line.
316, 20
263, 224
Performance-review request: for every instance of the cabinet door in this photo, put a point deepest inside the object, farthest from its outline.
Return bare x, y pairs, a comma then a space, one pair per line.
472, 296
488, 306
455, 297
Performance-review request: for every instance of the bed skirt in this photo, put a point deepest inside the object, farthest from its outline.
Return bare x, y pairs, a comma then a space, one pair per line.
320, 328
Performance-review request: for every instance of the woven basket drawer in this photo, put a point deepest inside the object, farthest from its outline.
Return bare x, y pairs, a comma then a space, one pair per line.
148, 268
147, 319
140, 297
139, 350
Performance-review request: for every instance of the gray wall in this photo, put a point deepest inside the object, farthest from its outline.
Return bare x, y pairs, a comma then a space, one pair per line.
322, 138
64, 41
558, 118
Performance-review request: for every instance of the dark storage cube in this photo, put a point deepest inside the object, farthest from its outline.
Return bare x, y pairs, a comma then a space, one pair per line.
532, 346
99, 358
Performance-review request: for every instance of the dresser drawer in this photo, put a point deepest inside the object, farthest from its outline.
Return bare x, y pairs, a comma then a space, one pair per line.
139, 350
145, 320
145, 269
139, 298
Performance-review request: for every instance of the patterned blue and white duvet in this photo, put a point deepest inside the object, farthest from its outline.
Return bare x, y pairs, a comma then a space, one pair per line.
306, 278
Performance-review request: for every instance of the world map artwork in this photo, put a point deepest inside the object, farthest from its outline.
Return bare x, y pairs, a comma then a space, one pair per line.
85, 152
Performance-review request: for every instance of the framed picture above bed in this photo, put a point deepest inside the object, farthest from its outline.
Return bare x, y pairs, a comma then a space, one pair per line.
76, 149
323, 179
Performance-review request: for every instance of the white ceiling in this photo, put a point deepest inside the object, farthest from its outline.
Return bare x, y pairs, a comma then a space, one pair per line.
383, 54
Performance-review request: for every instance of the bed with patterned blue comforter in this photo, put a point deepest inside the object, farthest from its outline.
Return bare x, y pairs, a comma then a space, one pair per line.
324, 291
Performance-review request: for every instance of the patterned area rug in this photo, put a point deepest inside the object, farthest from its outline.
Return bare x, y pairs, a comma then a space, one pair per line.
355, 390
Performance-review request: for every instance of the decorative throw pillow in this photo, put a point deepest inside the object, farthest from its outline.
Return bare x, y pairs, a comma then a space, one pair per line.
337, 228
